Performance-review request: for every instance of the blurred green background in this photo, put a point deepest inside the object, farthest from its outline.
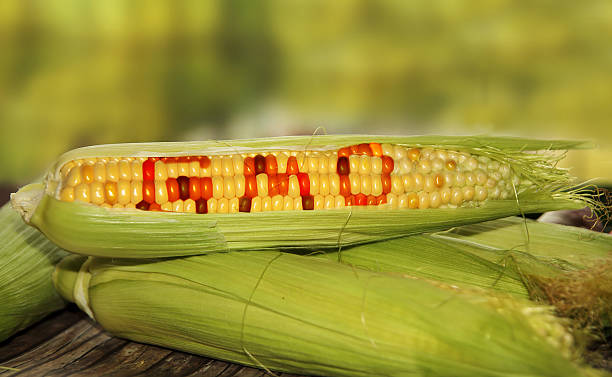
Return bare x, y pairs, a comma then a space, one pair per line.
79, 72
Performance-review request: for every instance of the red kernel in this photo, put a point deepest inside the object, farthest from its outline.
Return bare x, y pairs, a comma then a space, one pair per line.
172, 187
195, 190
148, 169
206, 188
304, 182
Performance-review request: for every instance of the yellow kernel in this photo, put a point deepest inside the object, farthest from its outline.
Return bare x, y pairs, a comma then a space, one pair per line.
491, 183
445, 195
448, 178
297, 203
90, 161
441, 154
130, 205
323, 184
366, 184
376, 185
194, 168
437, 164
365, 165
177, 205
238, 163
216, 163
435, 199
229, 187
87, 173
281, 162
161, 173
481, 177
227, 166
324, 165
313, 163
332, 163
266, 204
207, 172
494, 192
136, 190
471, 164
339, 201
355, 181
66, 169
429, 185
183, 170
239, 185
405, 166
189, 205
211, 205
125, 170
262, 184
387, 149
408, 181
223, 205
67, 194
112, 171
418, 180
456, 196
161, 192
234, 205
399, 153
414, 154
301, 161
315, 183
468, 193
397, 184
376, 165
294, 186
354, 163
256, 204
334, 184
451, 165
423, 200
217, 184
136, 170
110, 192
105, 205
167, 206
277, 203
460, 180
329, 202
424, 167
96, 193
74, 177
392, 201
480, 193
287, 203
124, 191
402, 201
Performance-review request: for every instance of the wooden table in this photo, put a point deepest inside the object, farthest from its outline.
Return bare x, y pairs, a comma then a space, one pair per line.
69, 343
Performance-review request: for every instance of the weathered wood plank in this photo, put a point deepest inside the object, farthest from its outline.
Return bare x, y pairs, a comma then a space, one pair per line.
68, 343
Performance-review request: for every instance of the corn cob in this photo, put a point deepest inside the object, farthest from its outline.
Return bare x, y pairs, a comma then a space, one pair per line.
181, 198
27, 260
307, 315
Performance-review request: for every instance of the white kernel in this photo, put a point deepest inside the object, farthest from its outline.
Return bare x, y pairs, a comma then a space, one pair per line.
418, 180
332, 163
494, 192
405, 166
429, 185
481, 177
496, 175
376, 165
424, 166
426, 153
161, 192
480, 193
445, 195
449, 178
408, 182
459, 180
504, 170
456, 196
437, 164
471, 164
399, 152
435, 199
423, 200
334, 184
161, 173
491, 183
136, 170
468, 193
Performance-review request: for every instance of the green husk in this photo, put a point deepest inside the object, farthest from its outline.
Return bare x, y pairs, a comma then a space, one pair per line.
86, 229
27, 260
306, 315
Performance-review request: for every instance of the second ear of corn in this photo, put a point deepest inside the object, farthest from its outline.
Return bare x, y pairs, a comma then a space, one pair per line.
83, 224
308, 315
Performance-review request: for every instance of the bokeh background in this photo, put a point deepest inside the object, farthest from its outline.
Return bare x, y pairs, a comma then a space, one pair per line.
81, 72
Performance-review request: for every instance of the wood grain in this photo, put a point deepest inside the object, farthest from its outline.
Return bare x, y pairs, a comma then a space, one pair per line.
68, 343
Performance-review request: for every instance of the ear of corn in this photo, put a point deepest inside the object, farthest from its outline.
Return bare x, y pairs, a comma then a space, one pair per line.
468, 180
307, 315
27, 260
